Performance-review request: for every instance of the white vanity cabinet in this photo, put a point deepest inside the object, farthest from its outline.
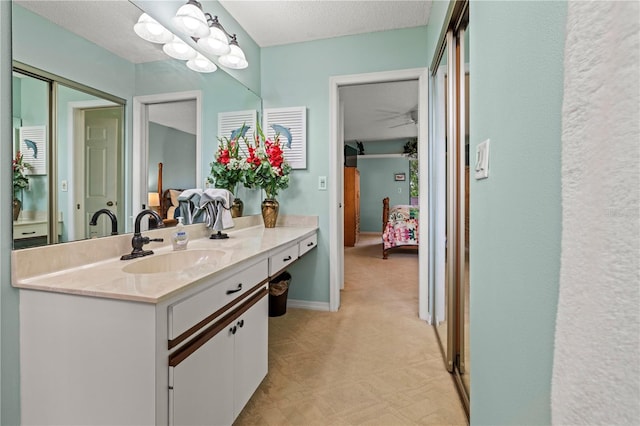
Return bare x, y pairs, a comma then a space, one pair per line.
214, 383
100, 346
89, 360
213, 375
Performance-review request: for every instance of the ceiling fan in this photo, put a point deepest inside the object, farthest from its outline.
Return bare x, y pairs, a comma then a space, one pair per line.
408, 117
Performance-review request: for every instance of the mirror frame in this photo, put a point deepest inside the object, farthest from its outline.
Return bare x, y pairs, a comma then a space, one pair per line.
54, 81
140, 154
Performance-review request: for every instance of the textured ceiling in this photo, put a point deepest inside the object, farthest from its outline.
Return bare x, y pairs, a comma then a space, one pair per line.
272, 23
372, 112
107, 23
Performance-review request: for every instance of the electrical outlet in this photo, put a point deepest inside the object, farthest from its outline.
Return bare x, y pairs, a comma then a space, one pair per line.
322, 183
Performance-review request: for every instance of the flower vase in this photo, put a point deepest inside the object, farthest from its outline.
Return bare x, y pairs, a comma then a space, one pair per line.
17, 206
270, 207
237, 207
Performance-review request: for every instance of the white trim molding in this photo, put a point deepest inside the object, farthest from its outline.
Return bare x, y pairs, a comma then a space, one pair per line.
141, 143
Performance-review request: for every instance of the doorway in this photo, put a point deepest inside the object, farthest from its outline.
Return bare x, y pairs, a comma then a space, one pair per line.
142, 166
97, 147
336, 196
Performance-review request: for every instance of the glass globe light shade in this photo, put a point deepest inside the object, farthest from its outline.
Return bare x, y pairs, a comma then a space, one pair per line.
191, 21
235, 59
178, 49
216, 44
201, 64
149, 29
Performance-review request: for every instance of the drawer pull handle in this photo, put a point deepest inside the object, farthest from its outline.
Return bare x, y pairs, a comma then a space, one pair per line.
309, 245
28, 233
241, 323
286, 259
236, 290
233, 330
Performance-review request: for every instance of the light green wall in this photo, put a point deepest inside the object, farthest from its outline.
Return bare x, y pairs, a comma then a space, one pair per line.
298, 74
376, 182
516, 97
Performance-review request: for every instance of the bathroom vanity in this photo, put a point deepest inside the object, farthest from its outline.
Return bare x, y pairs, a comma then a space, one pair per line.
172, 338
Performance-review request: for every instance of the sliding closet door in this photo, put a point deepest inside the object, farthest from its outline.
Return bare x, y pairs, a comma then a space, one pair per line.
443, 202
450, 141
463, 366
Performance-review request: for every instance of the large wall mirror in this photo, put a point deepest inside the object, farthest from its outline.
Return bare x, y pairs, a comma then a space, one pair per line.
77, 68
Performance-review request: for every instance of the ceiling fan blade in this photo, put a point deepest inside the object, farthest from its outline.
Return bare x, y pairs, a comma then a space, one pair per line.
402, 124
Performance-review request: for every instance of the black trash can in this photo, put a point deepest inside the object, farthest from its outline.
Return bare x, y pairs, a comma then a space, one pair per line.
278, 290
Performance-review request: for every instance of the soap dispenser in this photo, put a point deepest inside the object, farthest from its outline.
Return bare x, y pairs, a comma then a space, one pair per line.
180, 237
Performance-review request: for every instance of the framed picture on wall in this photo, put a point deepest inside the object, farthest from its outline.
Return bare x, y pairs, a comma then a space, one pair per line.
399, 177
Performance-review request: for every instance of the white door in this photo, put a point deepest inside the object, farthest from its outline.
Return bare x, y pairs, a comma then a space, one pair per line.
340, 177
102, 134
251, 357
201, 392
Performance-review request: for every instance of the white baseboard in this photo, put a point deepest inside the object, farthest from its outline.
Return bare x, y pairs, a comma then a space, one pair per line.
304, 304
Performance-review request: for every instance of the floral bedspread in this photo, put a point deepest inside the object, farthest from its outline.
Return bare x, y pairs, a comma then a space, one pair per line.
402, 227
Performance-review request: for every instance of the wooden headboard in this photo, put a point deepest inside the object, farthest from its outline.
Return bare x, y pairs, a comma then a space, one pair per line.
385, 212
165, 199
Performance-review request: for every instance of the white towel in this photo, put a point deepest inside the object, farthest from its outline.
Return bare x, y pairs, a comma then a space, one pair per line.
217, 203
189, 201
596, 365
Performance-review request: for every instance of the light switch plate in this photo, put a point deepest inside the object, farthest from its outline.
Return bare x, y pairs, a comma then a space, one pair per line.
64, 187
482, 160
322, 183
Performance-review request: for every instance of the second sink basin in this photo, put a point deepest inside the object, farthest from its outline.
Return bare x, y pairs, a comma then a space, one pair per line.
174, 261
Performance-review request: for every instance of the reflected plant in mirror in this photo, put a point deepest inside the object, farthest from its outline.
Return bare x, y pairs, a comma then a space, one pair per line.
20, 182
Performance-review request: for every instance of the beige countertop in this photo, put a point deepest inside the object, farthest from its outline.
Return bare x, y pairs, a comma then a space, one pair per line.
106, 278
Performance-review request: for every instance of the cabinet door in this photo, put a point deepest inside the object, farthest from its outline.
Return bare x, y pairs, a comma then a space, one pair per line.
251, 352
202, 384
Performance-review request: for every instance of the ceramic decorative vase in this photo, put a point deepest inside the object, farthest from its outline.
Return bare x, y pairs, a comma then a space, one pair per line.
237, 207
270, 207
17, 206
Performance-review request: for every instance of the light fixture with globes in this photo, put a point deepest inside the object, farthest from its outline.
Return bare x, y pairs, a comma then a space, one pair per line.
204, 29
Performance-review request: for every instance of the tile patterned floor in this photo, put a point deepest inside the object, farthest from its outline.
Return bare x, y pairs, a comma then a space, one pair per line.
372, 363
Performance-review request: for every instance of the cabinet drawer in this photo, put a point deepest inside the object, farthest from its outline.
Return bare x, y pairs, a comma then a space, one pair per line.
282, 259
307, 244
187, 313
30, 230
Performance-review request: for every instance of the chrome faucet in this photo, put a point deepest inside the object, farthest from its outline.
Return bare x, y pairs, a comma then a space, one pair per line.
138, 240
114, 221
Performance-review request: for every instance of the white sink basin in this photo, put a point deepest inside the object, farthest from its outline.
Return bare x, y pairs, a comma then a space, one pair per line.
174, 261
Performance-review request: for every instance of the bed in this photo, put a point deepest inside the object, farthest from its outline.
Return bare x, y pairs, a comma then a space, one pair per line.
400, 227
